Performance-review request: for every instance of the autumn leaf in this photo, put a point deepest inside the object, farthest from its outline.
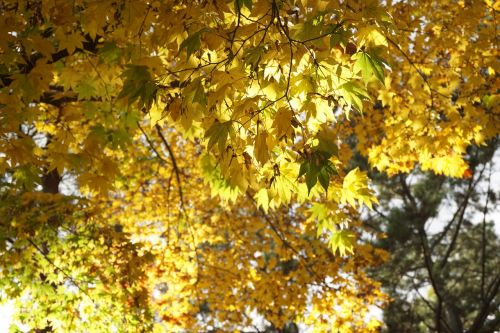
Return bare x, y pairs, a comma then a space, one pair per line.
166, 161
342, 241
261, 150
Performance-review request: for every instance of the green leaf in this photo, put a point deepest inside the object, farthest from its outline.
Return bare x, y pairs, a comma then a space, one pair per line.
138, 84
218, 133
378, 68
312, 28
253, 55
86, 89
354, 95
192, 43
148, 94
339, 37
368, 66
195, 92
240, 3
362, 64
27, 176
317, 167
304, 168
311, 178
326, 144
489, 101
110, 52
219, 185
137, 73
324, 178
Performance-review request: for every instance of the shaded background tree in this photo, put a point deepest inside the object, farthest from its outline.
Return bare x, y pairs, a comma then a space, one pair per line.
444, 271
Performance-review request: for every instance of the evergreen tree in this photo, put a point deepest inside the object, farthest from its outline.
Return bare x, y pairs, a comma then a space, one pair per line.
444, 271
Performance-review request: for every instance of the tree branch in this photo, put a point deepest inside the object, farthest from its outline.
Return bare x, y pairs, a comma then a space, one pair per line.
472, 184
174, 163
483, 237
480, 319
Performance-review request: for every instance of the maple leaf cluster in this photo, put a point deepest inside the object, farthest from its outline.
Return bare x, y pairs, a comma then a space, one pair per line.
187, 165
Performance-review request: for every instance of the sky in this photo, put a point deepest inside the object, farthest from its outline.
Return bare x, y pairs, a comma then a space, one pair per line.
5, 317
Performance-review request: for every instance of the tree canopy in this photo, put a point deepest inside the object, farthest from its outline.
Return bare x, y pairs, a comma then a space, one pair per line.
181, 165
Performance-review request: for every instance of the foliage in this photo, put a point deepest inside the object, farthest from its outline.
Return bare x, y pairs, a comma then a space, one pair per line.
180, 165
444, 270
